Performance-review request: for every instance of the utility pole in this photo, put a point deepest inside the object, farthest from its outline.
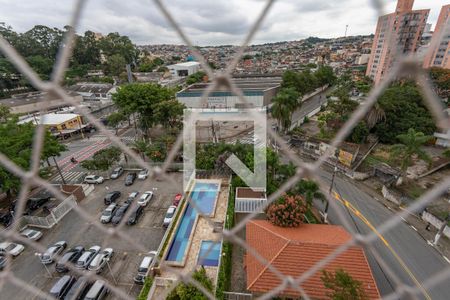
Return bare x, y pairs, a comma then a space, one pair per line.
346, 27
59, 170
325, 216
441, 230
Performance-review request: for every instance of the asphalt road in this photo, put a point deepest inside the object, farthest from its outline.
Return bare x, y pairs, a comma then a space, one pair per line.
308, 106
404, 251
76, 231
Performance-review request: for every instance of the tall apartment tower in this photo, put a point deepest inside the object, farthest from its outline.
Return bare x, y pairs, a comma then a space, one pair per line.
438, 53
397, 33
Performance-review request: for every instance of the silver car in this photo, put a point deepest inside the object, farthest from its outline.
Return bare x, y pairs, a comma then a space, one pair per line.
108, 213
100, 260
31, 234
87, 256
49, 255
116, 173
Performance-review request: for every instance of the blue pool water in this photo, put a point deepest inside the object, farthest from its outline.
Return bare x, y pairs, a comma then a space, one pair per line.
204, 196
212, 259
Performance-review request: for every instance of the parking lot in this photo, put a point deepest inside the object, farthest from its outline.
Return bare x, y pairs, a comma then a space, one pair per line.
76, 231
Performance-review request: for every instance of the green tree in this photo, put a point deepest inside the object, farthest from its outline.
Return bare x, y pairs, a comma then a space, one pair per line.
115, 44
102, 160
309, 190
115, 119
411, 145
403, 106
196, 77
342, 286
441, 81
115, 65
359, 133
325, 75
284, 105
143, 99
87, 50
41, 65
375, 115
168, 113
5, 113
185, 291
141, 146
16, 143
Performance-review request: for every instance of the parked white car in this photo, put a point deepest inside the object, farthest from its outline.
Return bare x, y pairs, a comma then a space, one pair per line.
94, 179
143, 174
145, 198
85, 259
11, 248
169, 215
54, 250
31, 234
116, 173
100, 260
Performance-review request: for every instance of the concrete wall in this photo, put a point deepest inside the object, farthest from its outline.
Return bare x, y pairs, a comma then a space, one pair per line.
436, 222
390, 196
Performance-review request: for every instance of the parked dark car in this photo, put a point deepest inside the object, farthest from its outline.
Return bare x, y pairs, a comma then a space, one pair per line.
62, 286
118, 216
79, 290
135, 215
34, 202
111, 197
5, 217
3, 261
131, 177
70, 257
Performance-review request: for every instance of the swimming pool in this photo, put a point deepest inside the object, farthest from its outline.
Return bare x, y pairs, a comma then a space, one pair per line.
210, 258
204, 195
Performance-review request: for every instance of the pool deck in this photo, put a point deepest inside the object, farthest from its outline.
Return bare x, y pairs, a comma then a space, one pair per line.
204, 231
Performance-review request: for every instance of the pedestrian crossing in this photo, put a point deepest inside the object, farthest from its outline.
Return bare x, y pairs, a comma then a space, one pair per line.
69, 177
101, 138
248, 139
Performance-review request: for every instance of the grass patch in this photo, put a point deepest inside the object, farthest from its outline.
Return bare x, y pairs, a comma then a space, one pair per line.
224, 279
412, 190
145, 289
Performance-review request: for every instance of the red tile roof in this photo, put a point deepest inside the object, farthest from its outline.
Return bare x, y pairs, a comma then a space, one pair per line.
292, 251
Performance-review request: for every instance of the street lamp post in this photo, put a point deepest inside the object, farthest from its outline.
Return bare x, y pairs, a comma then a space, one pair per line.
45, 266
59, 170
325, 216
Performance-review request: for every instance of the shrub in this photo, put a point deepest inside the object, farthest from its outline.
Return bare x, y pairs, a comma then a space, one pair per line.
288, 211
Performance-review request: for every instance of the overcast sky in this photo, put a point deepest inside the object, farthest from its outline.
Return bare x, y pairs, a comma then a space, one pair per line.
208, 22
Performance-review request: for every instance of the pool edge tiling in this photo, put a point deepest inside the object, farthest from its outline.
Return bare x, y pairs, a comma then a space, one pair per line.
180, 241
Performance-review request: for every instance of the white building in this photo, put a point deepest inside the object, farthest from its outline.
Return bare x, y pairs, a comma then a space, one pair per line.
184, 69
258, 92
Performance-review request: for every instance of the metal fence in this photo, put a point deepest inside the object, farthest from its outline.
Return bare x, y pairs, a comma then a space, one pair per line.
405, 66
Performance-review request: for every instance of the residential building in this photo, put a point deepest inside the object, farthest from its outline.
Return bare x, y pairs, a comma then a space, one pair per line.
439, 49
59, 124
397, 33
293, 251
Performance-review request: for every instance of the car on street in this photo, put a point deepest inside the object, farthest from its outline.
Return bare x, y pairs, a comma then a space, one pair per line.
108, 213
111, 197
13, 249
31, 234
143, 174
131, 197
131, 177
100, 260
52, 251
135, 215
118, 216
116, 173
97, 291
87, 256
94, 179
3, 261
79, 289
62, 286
169, 215
177, 199
144, 268
145, 198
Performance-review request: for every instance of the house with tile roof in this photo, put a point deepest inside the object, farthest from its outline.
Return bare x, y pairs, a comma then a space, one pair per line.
293, 251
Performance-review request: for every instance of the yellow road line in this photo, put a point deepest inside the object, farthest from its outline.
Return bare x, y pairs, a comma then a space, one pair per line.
357, 213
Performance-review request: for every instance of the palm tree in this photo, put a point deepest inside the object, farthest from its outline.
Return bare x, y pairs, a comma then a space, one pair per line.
410, 144
141, 146
375, 115
310, 190
284, 105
